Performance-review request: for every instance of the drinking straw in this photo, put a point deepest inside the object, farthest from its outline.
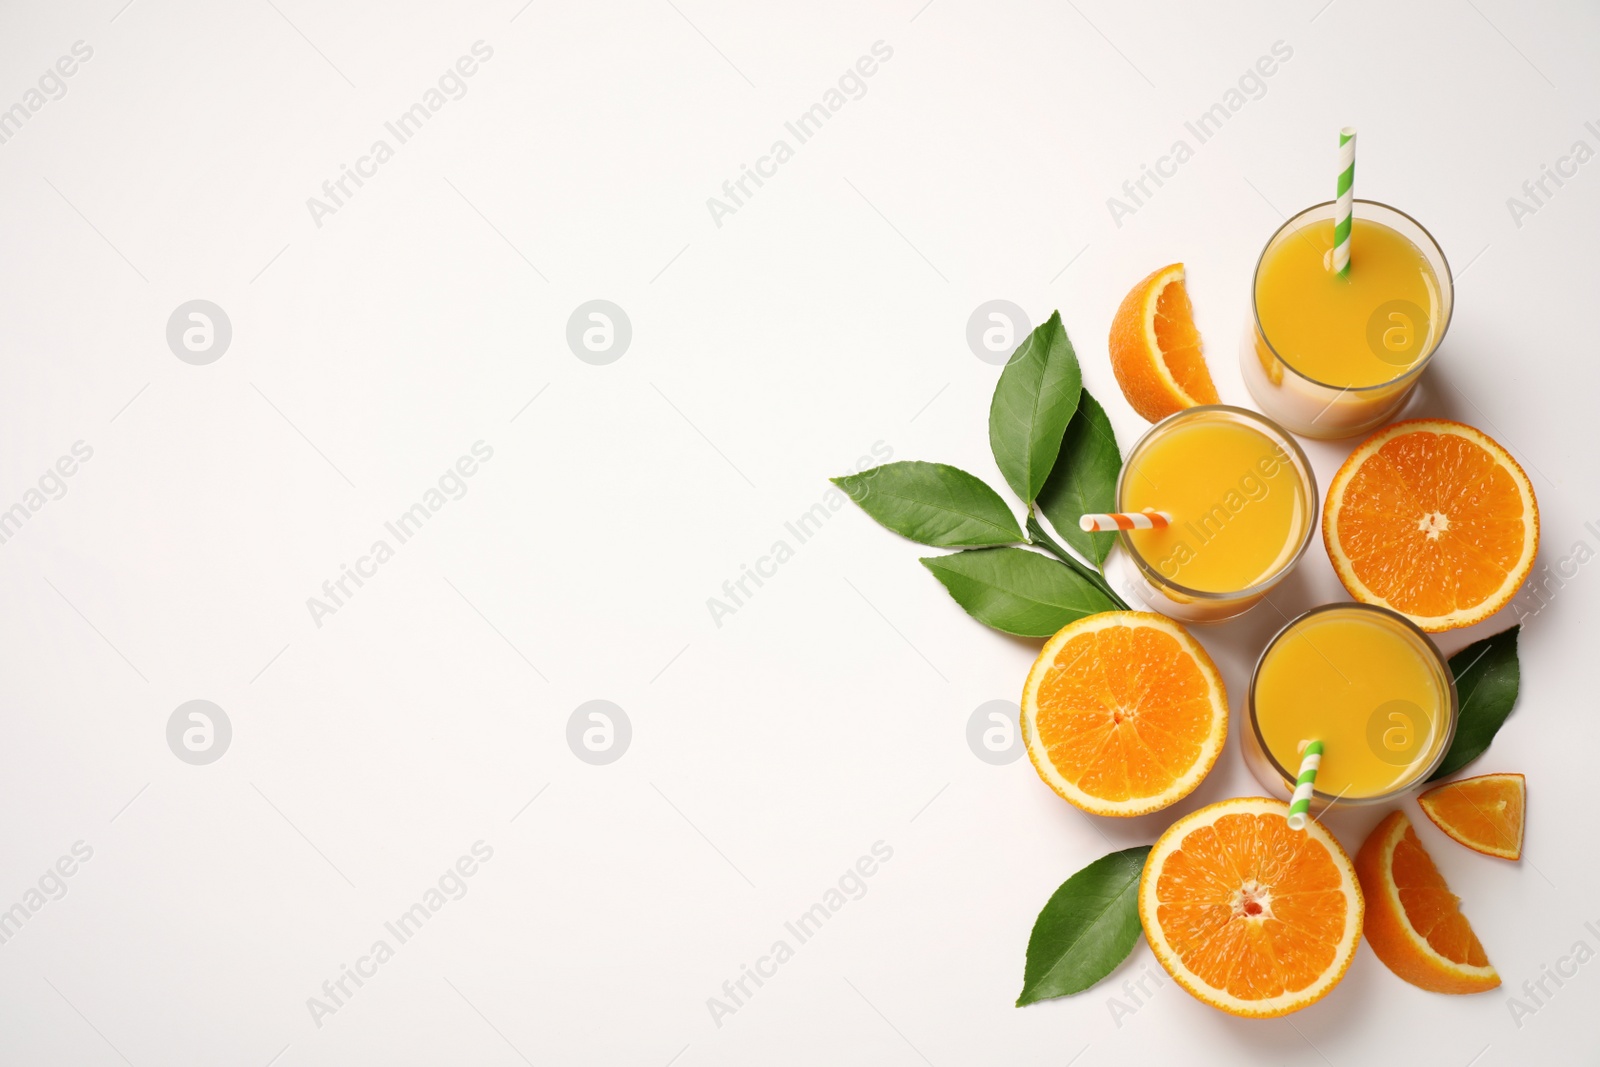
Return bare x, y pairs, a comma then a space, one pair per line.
1342, 212
1301, 802
1124, 520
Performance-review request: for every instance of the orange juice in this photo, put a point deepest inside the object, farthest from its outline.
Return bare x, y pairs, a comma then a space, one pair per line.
1332, 357
1239, 507
1367, 684
1359, 331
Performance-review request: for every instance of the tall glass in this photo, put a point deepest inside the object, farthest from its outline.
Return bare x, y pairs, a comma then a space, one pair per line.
1243, 501
1381, 343
1368, 684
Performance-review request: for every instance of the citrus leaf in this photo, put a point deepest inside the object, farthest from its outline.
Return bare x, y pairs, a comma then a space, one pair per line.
1084, 479
933, 504
1487, 677
1038, 538
1087, 927
1033, 402
1017, 591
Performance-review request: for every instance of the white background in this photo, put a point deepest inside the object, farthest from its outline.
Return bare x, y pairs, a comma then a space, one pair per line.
828, 313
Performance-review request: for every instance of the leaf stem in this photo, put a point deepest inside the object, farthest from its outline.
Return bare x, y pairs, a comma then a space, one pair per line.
1038, 538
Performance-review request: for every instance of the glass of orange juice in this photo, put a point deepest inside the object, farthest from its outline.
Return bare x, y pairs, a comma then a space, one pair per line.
1243, 504
1331, 356
1365, 682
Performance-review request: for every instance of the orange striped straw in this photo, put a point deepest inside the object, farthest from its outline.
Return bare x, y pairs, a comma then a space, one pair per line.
1125, 520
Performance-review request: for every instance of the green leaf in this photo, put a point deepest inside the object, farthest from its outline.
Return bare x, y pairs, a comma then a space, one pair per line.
933, 504
1039, 539
1033, 402
1084, 480
1487, 676
1017, 591
1086, 929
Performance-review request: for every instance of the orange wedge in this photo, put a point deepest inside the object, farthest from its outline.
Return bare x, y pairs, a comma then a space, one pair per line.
1155, 348
1414, 922
1248, 915
1123, 713
1483, 813
1433, 519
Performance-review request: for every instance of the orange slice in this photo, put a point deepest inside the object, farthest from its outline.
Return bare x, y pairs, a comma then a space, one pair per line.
1123, 713
1483, 813
1248, 915
1155, 349
1433, 519
1414, 922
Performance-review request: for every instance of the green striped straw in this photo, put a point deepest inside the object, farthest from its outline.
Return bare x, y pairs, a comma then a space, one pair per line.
1300, 804
1346, 201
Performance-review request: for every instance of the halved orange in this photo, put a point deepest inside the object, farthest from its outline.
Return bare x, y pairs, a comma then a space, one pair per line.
1123, 713
1414, 922
1155, 348
1248, 915
1483, 813
1433, 519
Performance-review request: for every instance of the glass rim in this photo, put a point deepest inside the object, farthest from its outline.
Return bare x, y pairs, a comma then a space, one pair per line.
1297, 457
1291, 777
1418, 367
